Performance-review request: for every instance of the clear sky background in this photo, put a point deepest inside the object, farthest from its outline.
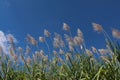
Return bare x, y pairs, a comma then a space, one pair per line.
20, 17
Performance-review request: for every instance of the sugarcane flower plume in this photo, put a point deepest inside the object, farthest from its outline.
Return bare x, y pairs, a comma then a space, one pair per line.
97, 27
116, 33
66, 27
47, 33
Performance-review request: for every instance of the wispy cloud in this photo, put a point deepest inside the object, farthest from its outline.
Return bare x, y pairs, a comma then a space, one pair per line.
4, 41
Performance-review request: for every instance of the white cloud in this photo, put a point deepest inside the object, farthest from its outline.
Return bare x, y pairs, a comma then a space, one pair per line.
4, 41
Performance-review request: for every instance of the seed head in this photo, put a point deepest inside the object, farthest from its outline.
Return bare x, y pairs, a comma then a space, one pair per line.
103, 51
104, 58
28, 60
60, 60
47, 33
71, 48
66, 27
28, 49
116, 33
45, 58
89, 53
62, 44
97, 27
20, 49
71, 43
31, 40
41, 53
15, 58
67, 37
61, 51
68, 56
10, 39
56, 43
79, 33
41, 39
94, 49
78, 40
12, 53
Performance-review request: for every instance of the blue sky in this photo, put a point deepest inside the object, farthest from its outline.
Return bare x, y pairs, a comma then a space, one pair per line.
20, 17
